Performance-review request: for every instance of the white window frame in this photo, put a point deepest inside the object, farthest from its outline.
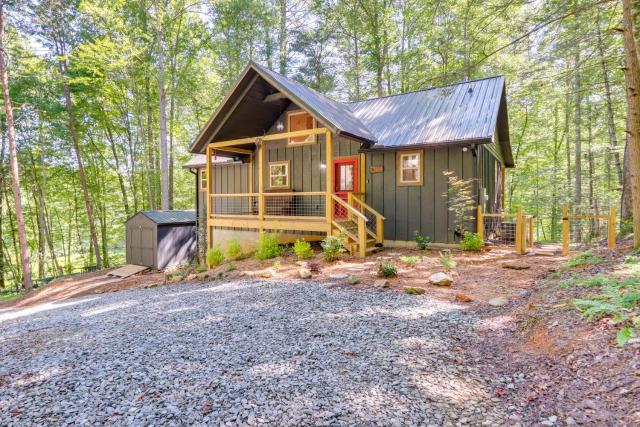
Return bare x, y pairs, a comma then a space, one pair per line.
287, 165
420, 174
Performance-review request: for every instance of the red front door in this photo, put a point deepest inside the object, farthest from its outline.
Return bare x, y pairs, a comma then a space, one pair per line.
345, 173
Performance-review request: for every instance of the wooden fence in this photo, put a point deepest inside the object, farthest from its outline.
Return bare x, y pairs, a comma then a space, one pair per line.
506, 229
567, 218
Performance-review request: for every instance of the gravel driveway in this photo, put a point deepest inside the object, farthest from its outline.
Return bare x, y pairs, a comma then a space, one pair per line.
244, 352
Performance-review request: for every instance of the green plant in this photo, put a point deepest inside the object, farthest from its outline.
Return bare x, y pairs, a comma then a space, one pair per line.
447, 261
387, 269
201, 268
332, 248
230, 267
234, 250
421, 241
277, 265
625, 334
585, 258
302, 249
215, 256
471, 242
459, 197
631, 259
409, 261
268, 246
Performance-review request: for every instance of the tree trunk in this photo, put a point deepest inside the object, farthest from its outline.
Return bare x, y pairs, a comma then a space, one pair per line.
2, 175
282, 38
13, 161
578, 146
151, 167
632, 77
162, 122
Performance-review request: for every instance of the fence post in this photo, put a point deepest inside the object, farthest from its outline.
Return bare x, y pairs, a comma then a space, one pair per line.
611, 227
480, 223
531, 231
520, 246
565, 230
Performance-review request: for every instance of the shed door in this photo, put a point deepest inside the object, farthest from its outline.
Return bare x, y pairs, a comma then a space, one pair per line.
141, 244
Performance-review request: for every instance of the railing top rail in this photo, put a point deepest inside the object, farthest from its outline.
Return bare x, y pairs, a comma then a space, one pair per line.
499, 215
349, 208
288, 193
367, 207
234, 194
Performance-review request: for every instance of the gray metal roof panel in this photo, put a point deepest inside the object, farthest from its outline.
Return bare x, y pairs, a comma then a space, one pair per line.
463, 111
335, 113
170, 217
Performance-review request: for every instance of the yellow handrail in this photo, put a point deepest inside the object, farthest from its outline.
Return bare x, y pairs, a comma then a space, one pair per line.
366, 206
349, 208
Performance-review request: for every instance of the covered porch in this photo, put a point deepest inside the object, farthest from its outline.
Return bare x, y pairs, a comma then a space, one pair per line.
306, 214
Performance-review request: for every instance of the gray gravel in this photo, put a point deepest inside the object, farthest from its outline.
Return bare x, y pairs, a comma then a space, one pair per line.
244, 352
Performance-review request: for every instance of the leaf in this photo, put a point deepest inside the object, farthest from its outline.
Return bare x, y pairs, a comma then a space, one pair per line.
624, 335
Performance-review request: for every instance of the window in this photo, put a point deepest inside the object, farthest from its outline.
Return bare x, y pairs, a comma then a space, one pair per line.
203, 180
301, 120
345, 177
279, 174
410, 168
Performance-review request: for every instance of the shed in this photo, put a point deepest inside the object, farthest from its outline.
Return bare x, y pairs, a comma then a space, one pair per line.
161, 239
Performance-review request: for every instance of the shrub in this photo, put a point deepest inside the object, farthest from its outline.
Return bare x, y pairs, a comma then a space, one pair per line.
234, 250
201, 268
447, 260
421, 241
268, 246
471, 242
332, 248
387, 269
215, 256
409, 261
302, 249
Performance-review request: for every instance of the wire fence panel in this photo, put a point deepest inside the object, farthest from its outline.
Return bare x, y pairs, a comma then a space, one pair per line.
234, 204
291, 204
500, 229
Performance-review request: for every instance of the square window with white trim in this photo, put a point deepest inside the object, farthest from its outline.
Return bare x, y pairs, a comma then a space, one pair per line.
279, 174
410, 168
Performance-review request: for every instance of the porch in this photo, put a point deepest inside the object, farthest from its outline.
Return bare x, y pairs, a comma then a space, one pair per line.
307, 214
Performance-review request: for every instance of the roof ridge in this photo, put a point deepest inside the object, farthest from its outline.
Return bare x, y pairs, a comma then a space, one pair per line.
422, 90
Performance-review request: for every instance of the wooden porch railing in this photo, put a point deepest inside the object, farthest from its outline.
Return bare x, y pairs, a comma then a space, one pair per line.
357, 216
375, 223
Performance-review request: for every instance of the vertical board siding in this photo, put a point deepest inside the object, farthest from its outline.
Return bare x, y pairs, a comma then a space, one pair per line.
422, 208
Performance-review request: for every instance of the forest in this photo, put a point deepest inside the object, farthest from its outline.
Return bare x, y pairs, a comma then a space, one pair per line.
103, 98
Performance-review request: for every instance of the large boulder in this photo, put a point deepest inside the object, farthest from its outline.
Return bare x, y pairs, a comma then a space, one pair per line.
516, 265
304, 273
441, 279
381, 284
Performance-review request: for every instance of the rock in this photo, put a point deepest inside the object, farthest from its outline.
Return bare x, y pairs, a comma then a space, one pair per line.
338, 276
394, 254
461, 297
353, 280
381, 284
266, 274
303, 264
204, 275
441, 279
410, 290
369, 263
150, 285
304, 273
516, 265
498, 302
192, 277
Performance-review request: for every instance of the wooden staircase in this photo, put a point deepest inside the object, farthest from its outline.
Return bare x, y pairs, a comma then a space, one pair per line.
363, 234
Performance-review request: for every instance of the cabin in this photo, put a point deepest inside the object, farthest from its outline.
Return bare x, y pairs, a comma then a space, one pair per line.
277, 155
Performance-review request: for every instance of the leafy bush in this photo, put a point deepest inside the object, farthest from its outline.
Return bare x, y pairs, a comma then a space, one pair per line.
387, 269
409, 261
421, 241
471, 242
215, 256
268, 246
234, 250
585, 258
332, 248
302, 249
447, 260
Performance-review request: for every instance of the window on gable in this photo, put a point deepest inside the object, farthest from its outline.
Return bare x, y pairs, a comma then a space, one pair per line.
410, 168
279, 174
301, 120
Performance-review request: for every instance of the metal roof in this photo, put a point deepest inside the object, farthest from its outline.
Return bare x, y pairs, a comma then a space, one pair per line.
200, 160
170, 217
463, 111
333, 113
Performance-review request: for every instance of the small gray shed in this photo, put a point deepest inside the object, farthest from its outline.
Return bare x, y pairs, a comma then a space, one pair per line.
160, 239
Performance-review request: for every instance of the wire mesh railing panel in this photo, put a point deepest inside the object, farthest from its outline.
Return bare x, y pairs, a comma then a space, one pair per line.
499, 229
371, 220
297, 205
234, 204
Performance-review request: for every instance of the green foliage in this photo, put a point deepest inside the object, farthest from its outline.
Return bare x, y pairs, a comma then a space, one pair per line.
387, 269
332, 248
632, 259
268, 246
459, 197
201, 268
277, 265
447, 261
234, 249
302, 249
409, 261
625, 334
471, 242
421, 241
215, 256
585, 258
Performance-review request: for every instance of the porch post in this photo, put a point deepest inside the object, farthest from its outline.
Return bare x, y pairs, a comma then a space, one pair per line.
329, 172
208, 201
260, 144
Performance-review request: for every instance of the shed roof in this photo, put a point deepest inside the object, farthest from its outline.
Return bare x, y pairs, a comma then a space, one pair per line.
169, 217
200, 160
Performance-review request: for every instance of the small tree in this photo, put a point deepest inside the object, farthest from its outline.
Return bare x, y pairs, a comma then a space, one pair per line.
459, 199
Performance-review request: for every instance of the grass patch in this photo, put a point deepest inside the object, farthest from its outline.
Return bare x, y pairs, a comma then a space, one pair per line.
7, 295
583, 259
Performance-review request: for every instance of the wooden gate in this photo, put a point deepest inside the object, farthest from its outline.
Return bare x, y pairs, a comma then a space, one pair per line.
506, 229
572, 218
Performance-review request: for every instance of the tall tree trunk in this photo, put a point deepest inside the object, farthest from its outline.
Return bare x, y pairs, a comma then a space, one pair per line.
283, 54
556, 167
594, 223
151, 167
632, 77
116, 158
162, 122
611, 127
2, 175
578, 145
13, 161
